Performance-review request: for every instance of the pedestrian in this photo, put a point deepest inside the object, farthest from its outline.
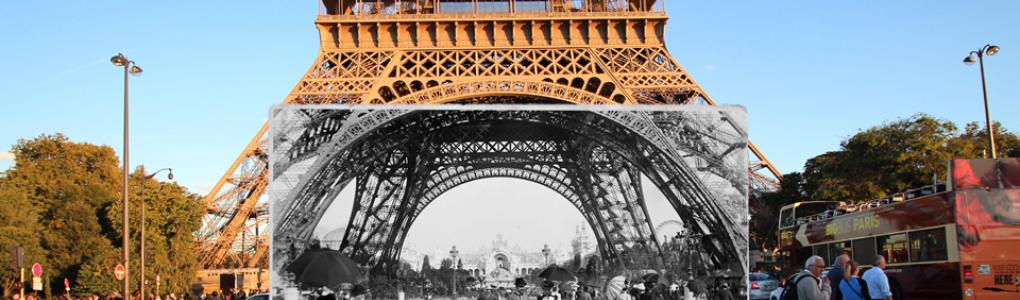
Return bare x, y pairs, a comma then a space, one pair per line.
646, 292
724, 292
549, 291
853, 287
808, 284
836, 275
878, 283
584, 293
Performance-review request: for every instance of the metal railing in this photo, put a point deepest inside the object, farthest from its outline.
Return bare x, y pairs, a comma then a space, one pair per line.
350, 8
860, 206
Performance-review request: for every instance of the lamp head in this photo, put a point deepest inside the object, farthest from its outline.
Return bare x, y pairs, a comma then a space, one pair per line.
171, 175
970, 60
135, 70
991, 50
118, 60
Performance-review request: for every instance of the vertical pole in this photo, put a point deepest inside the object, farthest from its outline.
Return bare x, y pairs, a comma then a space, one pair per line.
124, 184
988, 116
258, 276
21, 291
141, 282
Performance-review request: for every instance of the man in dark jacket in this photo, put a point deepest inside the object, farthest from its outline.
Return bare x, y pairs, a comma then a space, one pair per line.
836, 275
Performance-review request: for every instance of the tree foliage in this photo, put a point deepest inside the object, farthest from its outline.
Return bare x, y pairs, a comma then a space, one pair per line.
60, 202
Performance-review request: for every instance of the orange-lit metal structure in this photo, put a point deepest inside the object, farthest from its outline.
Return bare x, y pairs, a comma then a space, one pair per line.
606, 52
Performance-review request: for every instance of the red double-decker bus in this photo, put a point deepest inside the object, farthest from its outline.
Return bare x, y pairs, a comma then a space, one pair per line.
959, 240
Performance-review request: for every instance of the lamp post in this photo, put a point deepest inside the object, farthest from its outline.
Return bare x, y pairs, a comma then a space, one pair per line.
141, 284
545, 252
980, 54
453, 254
129, 68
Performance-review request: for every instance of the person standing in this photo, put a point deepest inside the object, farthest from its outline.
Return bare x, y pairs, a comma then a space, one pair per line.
809, 283
853, 287
583, 294
878, 283
835, 275
724, 292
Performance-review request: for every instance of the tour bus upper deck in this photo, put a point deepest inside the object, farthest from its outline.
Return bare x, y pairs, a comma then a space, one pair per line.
811, 211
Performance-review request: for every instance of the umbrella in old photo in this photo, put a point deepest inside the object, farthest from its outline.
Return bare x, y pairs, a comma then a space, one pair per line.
556, 273
615, 286
327, 268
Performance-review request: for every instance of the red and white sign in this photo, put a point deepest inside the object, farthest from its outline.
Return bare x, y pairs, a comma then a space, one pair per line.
67, 283
118, 272
36, 270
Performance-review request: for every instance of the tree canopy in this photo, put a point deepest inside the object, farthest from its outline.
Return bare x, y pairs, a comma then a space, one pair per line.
60, 202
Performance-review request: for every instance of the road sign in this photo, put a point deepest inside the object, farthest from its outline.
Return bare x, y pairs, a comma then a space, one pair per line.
67, 283
36, 270
37, 283
18, 257
118, 272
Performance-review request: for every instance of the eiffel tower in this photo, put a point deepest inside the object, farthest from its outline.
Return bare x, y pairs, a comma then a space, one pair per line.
601, 52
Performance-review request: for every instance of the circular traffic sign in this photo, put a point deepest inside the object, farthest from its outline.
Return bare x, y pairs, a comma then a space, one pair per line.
36, 270
118, 272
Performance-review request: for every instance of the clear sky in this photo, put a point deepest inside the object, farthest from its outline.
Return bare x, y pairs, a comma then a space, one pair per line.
810, 73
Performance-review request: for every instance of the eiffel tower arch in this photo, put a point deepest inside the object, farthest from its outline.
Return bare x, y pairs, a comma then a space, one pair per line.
600, 52
401, 160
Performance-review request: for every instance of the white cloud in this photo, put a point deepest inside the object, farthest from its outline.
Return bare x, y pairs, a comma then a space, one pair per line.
6, 156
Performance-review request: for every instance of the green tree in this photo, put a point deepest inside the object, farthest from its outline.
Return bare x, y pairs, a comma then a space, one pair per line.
973, 141
172, 215
69, 183
60, 196
19, 222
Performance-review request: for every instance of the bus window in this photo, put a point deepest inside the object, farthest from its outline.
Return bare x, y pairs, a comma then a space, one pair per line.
786, 217
837, 248
894, 247
928, 245
864, 250
823, 251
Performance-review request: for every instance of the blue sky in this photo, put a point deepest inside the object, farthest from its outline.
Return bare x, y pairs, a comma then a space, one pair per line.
811, 73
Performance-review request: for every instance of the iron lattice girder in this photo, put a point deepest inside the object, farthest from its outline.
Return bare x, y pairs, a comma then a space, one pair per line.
684, 190
592, 73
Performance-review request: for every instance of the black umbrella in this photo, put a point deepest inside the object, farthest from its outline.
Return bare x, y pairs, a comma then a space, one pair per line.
301, 262
327, 268
555, 273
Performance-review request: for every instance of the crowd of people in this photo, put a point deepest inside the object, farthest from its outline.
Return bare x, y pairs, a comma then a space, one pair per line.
843, 282
231, 294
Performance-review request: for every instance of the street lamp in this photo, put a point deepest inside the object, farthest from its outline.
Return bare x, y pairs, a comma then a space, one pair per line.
170, 176
129, 68
980, 54
545, 252
453, 254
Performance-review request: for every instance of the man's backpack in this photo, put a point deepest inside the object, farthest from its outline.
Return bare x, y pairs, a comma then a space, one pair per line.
790, 288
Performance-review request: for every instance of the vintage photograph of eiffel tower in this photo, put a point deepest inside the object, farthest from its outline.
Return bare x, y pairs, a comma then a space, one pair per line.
592, 52
398, 160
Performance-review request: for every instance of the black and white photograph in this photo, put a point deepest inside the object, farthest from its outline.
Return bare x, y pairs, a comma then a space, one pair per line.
512, 202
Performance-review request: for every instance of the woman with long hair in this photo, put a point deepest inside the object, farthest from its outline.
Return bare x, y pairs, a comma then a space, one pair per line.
853, 287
